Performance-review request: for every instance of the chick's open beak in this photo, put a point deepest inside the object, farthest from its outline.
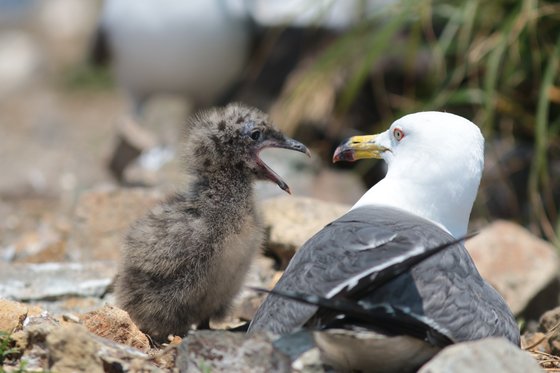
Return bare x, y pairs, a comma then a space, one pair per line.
284, 143
358, 147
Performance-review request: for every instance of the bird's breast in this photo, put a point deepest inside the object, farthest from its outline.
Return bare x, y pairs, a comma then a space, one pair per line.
235, 256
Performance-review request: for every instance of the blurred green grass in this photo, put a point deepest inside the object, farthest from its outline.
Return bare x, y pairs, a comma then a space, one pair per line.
87, 76
496, 63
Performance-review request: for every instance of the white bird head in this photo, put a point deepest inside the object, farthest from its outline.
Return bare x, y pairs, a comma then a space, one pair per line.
435, 162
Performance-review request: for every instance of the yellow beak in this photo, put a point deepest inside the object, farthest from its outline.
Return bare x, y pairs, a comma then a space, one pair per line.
358, 147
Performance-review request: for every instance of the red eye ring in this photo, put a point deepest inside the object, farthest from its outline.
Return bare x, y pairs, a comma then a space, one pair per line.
398, 133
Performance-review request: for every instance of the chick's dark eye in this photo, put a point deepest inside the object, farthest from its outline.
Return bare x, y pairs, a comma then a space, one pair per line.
256, 134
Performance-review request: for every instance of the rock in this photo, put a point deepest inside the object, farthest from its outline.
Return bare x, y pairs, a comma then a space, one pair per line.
486, 355
45, 244
293, 220
115, 324
33, 227
51, 281
535, 342
338, 186
74, 304
124, 358
71, 349
217, 351
102, 217
522, 267
34, 334
549, 320
14, 314
32, 341
550, 324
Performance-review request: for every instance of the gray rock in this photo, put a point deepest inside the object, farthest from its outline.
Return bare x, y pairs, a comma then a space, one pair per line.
487, 355
32, 341
51, 281
115, 324
46, 243
549, 322
221, 351
71, 349
14, 314
49, 345
293, 220
102, 216
339, 186
522, 267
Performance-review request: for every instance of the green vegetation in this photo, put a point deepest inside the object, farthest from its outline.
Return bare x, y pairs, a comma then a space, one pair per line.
8, 351
7, 347
496, 63
88, 77
21, 368
204, 366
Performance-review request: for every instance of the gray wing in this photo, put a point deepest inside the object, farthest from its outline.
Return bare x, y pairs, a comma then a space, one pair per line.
444, 290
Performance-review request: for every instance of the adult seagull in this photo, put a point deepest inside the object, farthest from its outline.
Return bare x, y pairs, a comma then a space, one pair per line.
435, 162
194, 49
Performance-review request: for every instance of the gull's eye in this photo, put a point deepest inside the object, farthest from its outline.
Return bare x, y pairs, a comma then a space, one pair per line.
256, 135
398, 133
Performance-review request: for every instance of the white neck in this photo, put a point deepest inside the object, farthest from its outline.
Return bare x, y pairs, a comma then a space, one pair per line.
448, 204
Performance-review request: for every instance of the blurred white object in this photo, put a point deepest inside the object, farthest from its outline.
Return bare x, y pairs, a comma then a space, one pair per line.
194, 48
64, 28
66, 20
156, 157
330, 14
19, 60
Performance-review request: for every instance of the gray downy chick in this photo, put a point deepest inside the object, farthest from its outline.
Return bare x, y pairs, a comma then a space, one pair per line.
184, 262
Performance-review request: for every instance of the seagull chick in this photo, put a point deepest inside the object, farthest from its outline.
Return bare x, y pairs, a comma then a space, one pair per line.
185, 261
